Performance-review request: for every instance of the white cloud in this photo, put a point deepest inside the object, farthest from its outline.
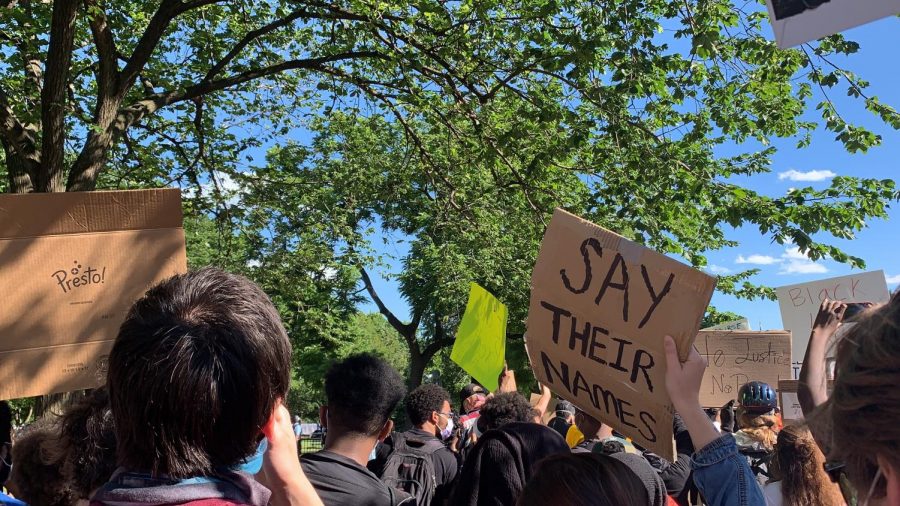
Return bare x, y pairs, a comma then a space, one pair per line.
893, 280
756, 260
795, 262
810, 175
718, 269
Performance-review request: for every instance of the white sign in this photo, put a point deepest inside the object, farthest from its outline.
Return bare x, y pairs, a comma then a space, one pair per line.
798, 21
800, 304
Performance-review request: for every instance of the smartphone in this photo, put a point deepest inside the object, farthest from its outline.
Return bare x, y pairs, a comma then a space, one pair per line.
853, 310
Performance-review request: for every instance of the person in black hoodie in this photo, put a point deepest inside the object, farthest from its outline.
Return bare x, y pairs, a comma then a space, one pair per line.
503, 461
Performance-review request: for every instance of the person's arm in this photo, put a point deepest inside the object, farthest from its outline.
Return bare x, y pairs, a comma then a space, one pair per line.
722, 475
543, 403
281, 472
812, 389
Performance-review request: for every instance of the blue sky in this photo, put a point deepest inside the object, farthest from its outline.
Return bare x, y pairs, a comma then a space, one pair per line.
814, 166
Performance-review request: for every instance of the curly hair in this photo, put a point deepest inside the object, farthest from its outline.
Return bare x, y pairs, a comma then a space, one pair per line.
85, 448
760, 428
505, 408
362, 392
35, 478
800, 462
424, 400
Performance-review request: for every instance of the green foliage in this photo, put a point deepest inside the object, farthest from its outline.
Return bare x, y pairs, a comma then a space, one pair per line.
715, 317
451, 129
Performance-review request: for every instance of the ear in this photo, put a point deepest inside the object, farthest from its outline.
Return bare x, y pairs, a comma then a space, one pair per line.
892, 479
434, 418
386, 430
323, 416
268, 429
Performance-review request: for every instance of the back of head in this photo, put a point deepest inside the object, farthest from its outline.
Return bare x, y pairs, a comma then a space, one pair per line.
505, 408
195, 373
362, 392
503, 460
803, 478
583, 479
865, 404
37, 479
85, 448
565, 409
654, 487
423, 401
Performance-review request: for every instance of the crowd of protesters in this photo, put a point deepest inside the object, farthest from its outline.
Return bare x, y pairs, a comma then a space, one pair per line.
193, 412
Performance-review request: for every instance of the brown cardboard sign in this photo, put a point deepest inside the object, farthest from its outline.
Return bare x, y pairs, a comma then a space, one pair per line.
600, 307
737, 357
791, 412
73, 263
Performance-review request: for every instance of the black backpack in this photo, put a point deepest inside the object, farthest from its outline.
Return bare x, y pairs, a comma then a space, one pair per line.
410, 467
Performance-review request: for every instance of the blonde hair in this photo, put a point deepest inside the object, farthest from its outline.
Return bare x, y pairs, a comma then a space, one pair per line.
759, 428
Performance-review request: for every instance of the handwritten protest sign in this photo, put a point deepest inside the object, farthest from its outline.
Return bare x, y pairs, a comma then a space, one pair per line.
798, 21
600, 306
480, 345
736, 358
800, 304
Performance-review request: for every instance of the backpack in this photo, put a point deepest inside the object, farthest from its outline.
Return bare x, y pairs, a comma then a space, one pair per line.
410, 467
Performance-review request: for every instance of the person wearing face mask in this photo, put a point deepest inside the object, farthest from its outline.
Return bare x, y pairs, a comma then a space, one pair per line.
471, 398
418, 461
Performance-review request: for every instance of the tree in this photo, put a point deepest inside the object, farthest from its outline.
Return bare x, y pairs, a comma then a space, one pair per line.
457, 125
715, 317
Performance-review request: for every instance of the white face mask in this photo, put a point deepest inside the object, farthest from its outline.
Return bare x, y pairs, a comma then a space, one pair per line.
447, 431
372, 455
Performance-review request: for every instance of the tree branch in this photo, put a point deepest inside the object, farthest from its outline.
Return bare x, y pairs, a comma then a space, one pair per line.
53, 96
407, 331
108, 66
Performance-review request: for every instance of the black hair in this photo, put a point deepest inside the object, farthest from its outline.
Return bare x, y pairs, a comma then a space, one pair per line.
85, 448
505, 408
583, 479
36, 479
195, 373
424, 400
362, 392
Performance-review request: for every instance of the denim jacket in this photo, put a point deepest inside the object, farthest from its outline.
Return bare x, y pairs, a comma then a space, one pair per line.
723, 476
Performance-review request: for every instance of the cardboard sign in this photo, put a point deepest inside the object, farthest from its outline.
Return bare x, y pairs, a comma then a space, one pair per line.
738, 357
742, 324
800, 304
600, 307
73, 263
791, 412
799, 21
480, 346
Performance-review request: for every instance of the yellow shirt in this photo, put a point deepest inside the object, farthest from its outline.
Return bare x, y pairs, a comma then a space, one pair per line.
574, 437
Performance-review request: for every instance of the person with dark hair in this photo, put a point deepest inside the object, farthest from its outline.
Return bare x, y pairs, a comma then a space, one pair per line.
406, 459
505, 408
565, 417
35, 479
6, 453
85, 447
583, 479
503, 461
361, 392
198, 375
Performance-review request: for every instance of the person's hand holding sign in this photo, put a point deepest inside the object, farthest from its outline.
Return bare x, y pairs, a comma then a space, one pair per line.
683, 384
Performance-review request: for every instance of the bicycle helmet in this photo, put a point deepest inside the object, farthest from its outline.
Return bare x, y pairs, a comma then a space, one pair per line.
757, 397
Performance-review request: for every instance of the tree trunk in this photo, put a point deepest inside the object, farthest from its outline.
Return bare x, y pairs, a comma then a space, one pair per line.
417, 365
50, 177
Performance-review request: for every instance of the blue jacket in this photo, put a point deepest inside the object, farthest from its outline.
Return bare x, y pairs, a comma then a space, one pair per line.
723, 476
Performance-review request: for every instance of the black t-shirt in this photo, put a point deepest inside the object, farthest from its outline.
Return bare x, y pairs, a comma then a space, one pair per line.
560, 425
340, 481
446, 464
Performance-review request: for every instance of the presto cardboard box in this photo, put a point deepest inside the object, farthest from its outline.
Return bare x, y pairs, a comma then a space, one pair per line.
71, 265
